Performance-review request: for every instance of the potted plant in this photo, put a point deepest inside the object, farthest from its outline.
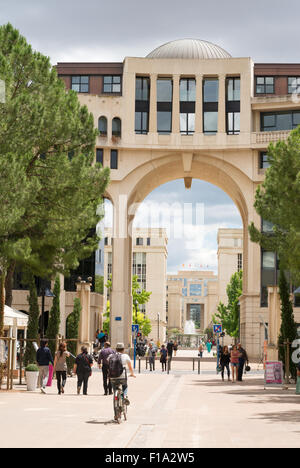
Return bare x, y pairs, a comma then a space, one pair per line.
32, 375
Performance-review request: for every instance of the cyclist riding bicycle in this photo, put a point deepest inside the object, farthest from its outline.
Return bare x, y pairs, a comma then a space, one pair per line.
117, 370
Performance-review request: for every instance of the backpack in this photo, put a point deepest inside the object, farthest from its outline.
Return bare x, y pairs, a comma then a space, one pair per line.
115, 366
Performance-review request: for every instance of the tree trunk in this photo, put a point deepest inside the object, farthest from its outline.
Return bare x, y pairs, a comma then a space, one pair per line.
9, 284
2, 302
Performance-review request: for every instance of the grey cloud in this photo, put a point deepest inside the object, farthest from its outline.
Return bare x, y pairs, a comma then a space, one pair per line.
266, 31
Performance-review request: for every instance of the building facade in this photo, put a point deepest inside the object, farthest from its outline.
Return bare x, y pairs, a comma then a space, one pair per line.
188, 110
149, 264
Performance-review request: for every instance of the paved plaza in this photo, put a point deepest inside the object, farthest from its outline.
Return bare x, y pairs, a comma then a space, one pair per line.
180, 410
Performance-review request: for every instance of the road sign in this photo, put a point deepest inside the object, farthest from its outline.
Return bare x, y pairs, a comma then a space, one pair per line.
135, 328
218, 329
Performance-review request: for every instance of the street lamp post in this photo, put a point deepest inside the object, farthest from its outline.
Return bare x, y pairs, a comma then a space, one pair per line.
158, 319
45, 292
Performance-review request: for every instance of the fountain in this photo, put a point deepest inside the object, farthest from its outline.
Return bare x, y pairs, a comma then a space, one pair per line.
189, 328
190, 337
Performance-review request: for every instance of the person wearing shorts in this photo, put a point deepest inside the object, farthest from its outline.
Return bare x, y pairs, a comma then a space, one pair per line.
234, 360
126, 361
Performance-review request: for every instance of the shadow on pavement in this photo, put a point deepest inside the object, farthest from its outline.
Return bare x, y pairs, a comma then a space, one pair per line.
287, 416
101, 422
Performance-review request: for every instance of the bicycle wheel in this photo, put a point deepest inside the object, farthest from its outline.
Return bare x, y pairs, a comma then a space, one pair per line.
124, 411
117, 411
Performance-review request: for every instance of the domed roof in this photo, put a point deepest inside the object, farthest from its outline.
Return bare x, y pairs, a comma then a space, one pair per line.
189, 49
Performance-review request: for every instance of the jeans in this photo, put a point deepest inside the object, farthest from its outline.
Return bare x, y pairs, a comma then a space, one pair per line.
61, 377
164, 365
152, 363
106, 381
241, 369
83, 378
223, 369
43, 376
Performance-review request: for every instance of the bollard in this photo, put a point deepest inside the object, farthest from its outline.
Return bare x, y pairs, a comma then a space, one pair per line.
198, 366
146, 363
139, 365
193, 364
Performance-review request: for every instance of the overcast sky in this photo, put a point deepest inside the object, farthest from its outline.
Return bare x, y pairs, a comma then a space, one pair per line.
98, 31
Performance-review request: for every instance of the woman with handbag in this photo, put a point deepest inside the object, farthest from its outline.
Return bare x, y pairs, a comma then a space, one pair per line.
224, 362
83, 369
60, 367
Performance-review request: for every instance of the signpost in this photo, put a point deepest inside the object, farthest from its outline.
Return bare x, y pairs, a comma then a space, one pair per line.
135, 331
217, 331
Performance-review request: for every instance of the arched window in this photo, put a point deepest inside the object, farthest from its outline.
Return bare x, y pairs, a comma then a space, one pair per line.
116, 127
102, 125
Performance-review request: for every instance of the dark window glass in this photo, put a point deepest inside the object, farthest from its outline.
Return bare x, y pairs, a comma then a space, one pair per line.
187, 106
80, 84
148, 241
142, 89
102, 125
139, 241
265, 85
99, 156
112, 84
116, 127
141, 122
85, 270
164, 90
279, 121
164, 122
210, 90
114, 159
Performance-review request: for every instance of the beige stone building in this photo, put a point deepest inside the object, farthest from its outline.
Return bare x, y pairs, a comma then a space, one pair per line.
149, 263
191, 295
188, 110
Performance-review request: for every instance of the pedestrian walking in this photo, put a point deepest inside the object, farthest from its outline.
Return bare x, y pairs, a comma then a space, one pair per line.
44, 359
103, 362
60, 367
101, 339
83, 369
163, 357
151, 355
225, 362
234, 360
170, 349
200, 349
175, 348
243, 359
209, 346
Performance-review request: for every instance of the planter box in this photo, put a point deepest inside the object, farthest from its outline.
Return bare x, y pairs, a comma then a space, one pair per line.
32, 380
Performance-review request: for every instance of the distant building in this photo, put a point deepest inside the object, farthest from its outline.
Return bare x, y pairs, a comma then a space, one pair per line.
149, 263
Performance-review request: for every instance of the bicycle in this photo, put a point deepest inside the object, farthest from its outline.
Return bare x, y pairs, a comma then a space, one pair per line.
120, 407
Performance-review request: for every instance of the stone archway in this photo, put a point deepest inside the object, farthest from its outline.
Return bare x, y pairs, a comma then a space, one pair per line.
140, 182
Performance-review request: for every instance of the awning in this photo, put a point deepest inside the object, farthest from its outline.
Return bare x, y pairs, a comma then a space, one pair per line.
14, 317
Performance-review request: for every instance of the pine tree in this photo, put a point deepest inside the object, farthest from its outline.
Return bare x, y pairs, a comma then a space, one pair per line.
33, 323
49, 188
73, 331
54, 319
288, 329
229, 315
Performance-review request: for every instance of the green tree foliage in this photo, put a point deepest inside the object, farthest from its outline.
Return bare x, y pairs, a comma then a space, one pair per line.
99, 284
106, 315
33, 322
54, 318
50, 189
229, 315
276, 201
73, 331
288, 329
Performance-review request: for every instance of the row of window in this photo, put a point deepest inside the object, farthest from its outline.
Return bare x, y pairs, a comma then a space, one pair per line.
187, 105
113, 157
139, 241
116, 126
111, 84
278, 121
266, 84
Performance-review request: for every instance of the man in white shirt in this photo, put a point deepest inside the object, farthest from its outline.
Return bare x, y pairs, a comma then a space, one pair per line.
122, 378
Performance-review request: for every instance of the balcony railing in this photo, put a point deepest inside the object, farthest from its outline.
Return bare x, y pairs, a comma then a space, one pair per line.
268, 137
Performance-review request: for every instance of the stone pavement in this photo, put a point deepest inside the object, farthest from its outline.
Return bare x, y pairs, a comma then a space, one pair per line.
180, 410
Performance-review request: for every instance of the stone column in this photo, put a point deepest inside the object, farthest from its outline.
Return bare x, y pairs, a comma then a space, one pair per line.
121, 294
84, 294
153, 104
274, 322
176, 104
222, 105
199, 104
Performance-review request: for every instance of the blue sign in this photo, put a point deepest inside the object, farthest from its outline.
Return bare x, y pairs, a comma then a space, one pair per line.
217, 329
135, 328
118, 319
